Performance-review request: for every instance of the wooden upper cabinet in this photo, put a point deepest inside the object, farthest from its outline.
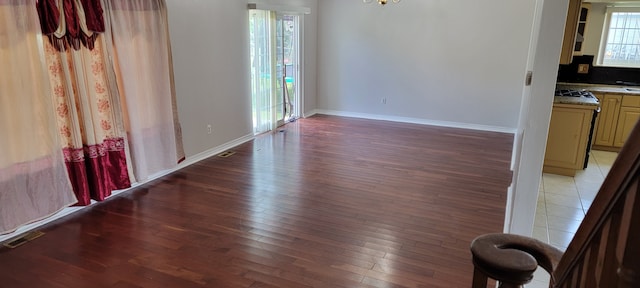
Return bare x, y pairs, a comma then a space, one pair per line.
570, 30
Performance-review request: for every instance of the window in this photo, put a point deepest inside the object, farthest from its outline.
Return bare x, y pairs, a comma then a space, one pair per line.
622, 34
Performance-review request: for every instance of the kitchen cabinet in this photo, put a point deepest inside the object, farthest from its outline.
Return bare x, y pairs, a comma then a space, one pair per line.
581, 31
607, 119
570, 31
627, 120
567, 139
618, 114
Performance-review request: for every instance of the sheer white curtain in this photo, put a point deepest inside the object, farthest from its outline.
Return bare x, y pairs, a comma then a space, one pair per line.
263, 73
33, 176
145, 79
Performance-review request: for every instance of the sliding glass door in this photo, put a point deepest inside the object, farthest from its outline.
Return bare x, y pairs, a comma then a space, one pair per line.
275, 46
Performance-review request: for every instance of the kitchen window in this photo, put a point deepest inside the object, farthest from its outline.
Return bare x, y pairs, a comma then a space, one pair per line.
620, 44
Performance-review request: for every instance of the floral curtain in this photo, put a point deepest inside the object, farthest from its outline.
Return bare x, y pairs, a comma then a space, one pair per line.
145, 78
68, 116
89, 120
33, 177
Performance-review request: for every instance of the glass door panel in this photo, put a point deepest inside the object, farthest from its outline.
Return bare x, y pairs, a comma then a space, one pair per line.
274, 46
288, 56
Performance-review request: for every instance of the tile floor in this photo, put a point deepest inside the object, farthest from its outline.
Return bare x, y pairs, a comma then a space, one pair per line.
563, 202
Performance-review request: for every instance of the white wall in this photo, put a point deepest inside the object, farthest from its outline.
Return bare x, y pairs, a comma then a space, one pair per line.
595, 23
210, 46
455, 61
209, 41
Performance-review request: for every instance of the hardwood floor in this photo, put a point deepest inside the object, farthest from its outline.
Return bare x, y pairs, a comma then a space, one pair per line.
327, 202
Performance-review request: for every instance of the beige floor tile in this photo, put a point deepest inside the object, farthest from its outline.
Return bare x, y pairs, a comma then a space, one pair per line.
540, 220
564, 200
588, 191
605, 169
565, 211
540, 233
586, 204
568, 191
541, 207
563, 224
559, 238
557, 182
592, 173
604, 157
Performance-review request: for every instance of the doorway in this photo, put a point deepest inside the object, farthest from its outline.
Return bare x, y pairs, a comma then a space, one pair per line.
275, 68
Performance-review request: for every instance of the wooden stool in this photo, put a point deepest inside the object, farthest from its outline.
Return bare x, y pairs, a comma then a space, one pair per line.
510, 259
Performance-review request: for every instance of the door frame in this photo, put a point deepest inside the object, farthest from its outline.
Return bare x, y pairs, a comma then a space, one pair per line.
299, 11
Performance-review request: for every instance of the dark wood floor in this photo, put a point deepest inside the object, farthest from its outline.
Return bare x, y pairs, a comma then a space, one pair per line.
326, 202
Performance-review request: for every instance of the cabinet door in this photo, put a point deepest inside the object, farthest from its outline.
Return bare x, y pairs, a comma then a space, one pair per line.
570, 29
567, 139
607, 119
628, 118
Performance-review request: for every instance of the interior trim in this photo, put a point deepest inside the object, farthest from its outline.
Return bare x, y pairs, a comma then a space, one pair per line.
279, 8
415, 121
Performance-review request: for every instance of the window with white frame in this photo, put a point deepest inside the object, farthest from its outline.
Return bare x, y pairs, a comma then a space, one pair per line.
620, 44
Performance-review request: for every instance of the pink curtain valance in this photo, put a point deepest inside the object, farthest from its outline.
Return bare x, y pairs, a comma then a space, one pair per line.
71, 22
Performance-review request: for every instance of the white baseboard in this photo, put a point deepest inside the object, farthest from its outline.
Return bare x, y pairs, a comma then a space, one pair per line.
310, 113
415, 121
188, 161
203, 155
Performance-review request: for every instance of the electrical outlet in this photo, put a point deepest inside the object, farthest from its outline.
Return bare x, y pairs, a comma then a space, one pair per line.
383, 100
209, 129
583, 68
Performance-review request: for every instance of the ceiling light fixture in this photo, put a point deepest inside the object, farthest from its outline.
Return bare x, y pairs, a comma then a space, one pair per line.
381, 2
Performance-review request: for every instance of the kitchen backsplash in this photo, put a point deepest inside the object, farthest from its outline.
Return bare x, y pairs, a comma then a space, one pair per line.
597, 74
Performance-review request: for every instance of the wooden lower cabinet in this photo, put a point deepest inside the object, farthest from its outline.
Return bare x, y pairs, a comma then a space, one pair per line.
626, 121
567, 139
607, 119
618, 114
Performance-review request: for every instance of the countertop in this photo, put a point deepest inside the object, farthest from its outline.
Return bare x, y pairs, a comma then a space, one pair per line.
629, 90
587, 101
597, 88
